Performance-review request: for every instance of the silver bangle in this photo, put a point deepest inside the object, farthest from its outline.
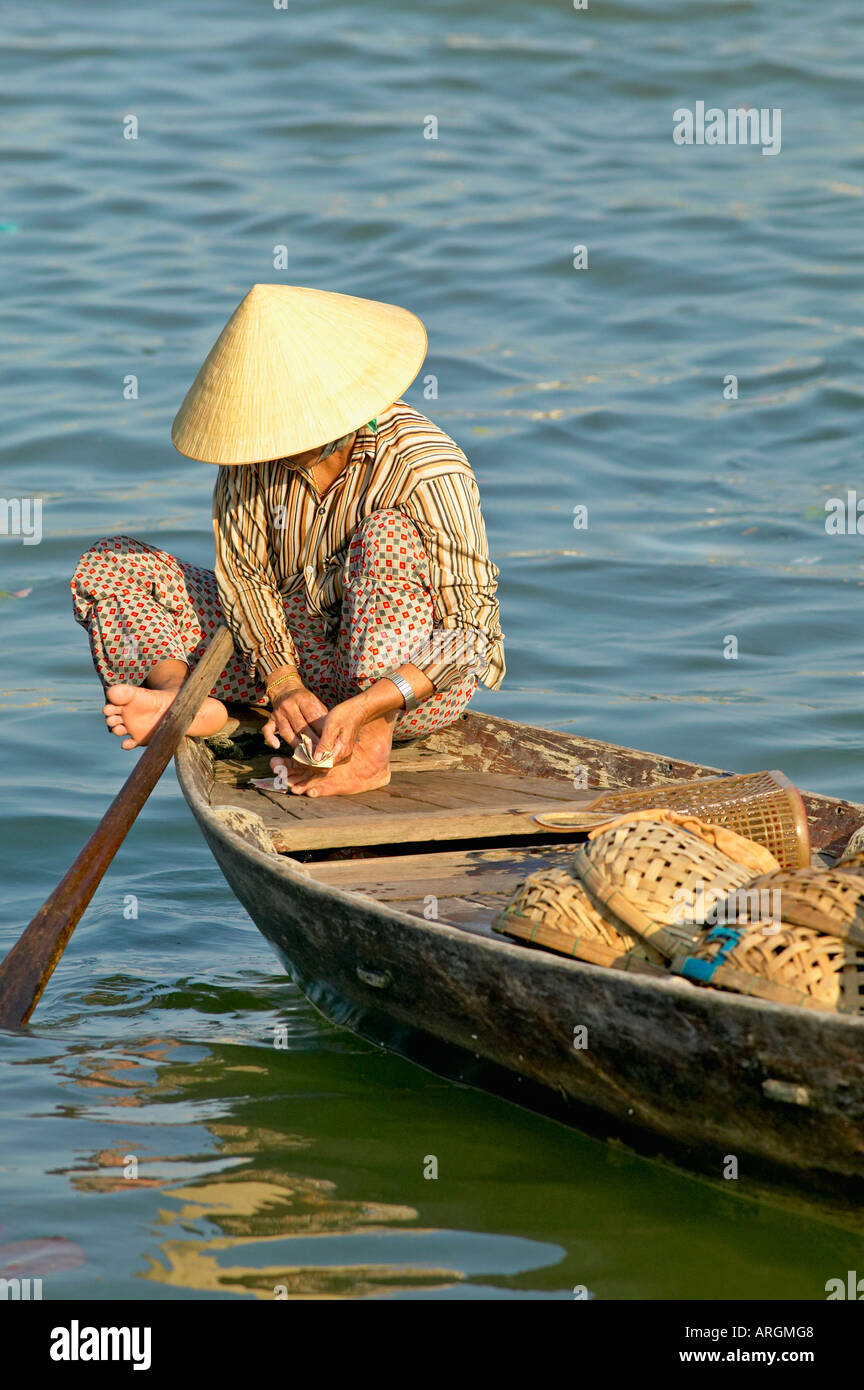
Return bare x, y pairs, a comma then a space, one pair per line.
405, 690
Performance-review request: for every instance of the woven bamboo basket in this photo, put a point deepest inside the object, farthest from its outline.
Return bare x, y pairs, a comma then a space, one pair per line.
793, 965
761, 806
852, 863
826, 900
551, 908
854, 849
660, 880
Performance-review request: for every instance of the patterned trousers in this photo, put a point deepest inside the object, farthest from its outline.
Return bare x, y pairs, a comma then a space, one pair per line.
141, 605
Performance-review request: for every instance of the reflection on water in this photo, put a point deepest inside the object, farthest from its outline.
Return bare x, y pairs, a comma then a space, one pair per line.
298, 1238
247, 1172
273, 1210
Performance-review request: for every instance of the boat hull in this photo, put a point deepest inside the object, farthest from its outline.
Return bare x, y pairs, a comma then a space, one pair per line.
695, 1074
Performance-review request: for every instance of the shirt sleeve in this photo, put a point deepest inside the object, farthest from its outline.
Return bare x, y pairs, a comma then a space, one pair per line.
446, 511
250, 597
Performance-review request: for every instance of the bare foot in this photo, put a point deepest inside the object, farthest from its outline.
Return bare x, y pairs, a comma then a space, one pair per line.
367, 769
133, 711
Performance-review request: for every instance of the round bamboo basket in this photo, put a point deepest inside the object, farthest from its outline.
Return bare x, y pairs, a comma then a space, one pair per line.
761, 806
854, 848
659, 879
827, 900
788, 965
551, 908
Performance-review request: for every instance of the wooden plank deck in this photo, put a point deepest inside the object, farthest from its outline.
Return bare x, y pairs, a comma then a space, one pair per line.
465, 888
416, 807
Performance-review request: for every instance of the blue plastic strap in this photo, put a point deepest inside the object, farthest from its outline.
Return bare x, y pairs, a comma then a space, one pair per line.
727, 936
694, 969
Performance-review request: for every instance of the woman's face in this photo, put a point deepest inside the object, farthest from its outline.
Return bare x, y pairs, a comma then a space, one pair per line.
310, 457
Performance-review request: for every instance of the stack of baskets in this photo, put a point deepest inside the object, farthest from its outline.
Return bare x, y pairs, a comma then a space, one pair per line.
726, 902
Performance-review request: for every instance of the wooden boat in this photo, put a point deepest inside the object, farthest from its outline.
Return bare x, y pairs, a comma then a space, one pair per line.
347, 890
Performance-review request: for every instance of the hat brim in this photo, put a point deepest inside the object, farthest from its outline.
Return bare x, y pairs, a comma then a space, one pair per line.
293, 369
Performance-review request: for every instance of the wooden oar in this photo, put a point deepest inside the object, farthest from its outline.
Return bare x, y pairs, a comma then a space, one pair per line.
28, 966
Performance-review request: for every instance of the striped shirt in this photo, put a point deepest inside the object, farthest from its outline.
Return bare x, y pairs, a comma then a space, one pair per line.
276, 535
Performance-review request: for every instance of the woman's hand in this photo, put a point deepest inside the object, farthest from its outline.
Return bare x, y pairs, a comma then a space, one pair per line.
295, 712
341, 729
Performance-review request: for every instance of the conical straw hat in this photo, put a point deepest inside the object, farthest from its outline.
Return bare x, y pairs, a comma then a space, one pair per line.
293, 369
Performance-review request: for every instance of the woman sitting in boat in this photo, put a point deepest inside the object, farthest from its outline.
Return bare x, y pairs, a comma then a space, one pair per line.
352, 565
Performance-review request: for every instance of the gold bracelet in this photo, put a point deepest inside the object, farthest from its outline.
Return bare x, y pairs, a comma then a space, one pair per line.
280, 680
